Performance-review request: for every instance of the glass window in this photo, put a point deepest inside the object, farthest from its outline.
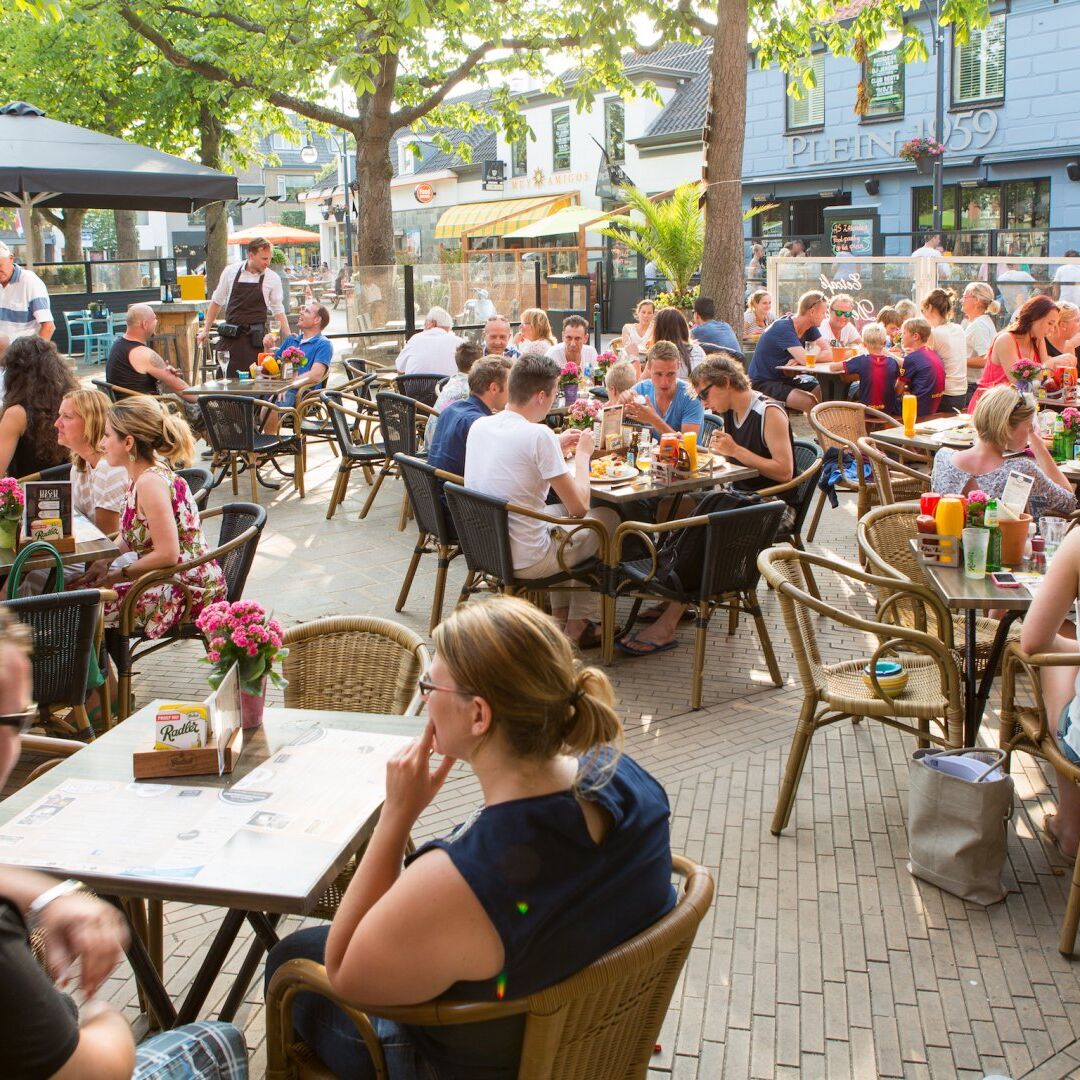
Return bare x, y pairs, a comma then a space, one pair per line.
809, 110
923, 215
614, 130
560, 139
1027, 204
979, 65
884, 75
286, 140
519, 157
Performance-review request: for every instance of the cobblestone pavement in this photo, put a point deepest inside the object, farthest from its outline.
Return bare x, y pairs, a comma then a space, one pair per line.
821, 956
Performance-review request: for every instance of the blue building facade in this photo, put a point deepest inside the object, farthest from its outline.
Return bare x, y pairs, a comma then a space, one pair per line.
1012, 136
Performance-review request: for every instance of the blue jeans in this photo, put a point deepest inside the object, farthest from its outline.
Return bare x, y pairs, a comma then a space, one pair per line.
331, 1034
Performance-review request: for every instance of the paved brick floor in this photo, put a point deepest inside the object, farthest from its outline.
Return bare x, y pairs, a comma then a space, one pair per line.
822, 956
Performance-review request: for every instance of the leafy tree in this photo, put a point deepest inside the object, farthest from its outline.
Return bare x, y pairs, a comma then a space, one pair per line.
782, 35
394, 63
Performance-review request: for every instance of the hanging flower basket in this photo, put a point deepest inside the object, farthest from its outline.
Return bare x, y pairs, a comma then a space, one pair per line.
922, 153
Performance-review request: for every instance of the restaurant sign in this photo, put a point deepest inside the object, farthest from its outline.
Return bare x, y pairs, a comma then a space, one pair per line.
423, 193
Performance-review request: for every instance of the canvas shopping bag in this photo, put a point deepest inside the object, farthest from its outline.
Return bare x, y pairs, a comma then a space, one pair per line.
957, 828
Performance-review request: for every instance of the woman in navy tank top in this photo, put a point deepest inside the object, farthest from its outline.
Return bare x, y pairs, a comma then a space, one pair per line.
567, 857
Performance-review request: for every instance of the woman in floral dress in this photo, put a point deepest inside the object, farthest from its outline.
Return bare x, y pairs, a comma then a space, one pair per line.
159, 526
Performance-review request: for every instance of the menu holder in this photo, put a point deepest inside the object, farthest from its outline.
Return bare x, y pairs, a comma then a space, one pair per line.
47, 514
937, 549
221, 752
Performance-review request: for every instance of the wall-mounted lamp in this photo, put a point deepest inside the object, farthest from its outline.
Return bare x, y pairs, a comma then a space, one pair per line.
872, 185
1072, 170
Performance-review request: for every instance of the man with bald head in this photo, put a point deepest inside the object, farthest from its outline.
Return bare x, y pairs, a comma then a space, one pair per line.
133, 365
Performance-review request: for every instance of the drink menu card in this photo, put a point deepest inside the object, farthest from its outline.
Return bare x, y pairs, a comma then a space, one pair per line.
47, 513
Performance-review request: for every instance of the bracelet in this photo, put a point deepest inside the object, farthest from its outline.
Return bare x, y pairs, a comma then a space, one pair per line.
37, 906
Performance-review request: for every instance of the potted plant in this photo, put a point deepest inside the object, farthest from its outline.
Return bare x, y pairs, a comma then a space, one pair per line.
922, 153
570, 381
600, 368
976, 508
1025, 373
12, 501
584, 412
242, 633
1070, 421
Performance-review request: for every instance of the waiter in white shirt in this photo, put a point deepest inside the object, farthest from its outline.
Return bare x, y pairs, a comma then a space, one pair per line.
250, 295
431, 352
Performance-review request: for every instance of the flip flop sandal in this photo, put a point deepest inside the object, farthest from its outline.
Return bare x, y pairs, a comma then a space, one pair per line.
651, 614
1052, 837
590, 637
634, 646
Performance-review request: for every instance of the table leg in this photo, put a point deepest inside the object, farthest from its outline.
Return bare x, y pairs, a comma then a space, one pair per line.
155, 934
260, 923
211, 966
146, 975
996, 649
971, 692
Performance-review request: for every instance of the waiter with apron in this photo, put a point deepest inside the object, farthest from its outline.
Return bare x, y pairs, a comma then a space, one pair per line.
250, 294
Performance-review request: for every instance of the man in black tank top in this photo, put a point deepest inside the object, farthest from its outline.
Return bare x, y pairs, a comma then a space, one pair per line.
133, 365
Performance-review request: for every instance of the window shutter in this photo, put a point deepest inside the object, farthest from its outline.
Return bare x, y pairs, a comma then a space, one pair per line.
980, 64
809, 110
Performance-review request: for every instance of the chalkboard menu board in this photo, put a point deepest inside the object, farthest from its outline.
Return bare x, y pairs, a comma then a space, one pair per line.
885, 82
853, 231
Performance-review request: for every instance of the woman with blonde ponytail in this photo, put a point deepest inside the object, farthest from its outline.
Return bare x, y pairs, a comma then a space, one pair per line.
159, 525
567, 856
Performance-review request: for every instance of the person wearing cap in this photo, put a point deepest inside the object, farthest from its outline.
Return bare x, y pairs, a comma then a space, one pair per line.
24, 300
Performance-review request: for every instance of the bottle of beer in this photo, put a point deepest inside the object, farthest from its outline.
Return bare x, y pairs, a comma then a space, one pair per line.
993, 550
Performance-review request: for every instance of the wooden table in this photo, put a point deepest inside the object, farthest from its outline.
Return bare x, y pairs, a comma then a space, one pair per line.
181, 320
971, 596
241, 387
834, 384
90, 544
257, 875
645, 487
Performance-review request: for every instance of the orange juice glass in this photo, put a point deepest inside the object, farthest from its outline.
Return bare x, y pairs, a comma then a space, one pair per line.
689, 440
909, 410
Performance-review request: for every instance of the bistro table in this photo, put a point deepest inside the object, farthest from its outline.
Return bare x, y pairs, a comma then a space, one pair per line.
240, 387
931, 435
91, 544
645, 486
269, 867
971, 595
834, 384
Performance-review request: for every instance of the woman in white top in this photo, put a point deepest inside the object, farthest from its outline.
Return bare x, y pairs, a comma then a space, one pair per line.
758, 314
634, 334
98, 489
949, 342
978, 305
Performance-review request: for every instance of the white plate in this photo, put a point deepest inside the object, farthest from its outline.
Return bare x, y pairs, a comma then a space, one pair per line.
613, 476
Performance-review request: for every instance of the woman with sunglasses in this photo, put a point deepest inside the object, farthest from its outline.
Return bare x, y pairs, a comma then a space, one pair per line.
1004, 426
567, 856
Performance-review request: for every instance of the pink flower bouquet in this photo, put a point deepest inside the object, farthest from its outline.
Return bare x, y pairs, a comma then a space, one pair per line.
1070, 418
242, 633
293, 355
570, 373
583, 412
12, 499
1026, 369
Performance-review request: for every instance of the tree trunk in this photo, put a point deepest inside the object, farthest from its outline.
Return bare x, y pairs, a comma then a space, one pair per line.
127, 247
217, 218
722, 270
35, 238
374, 220
72, 227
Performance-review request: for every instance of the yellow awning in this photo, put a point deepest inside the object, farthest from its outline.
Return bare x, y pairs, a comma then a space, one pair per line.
497, 217
567, 220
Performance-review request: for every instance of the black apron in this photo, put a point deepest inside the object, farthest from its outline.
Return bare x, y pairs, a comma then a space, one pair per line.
246, 309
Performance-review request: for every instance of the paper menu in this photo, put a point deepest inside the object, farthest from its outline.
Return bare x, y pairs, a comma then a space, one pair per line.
1017, 491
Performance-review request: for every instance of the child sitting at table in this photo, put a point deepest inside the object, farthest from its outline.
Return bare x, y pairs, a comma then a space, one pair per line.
889, 317
619, 378
877, 370
921, 367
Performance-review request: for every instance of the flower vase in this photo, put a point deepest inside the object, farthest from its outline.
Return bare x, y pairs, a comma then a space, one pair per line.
1023, 386
924, 165
9, 533
570, 393
252, 703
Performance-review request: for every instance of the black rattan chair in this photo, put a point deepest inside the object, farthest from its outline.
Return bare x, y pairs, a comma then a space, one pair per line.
352, 419
238, 539
423, 484
114, 393
799, 493
397, 421
200, 483
231, 431
67, 629
422, 388
729, 577
709, 427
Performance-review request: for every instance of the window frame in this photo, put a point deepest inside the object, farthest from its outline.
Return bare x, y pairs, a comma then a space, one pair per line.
520, 144
563, 112
816, 59
958, 104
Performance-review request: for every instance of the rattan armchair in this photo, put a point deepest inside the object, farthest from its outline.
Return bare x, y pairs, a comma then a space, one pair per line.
836, 691
482, 523
839, 425
895, 469
399, 420
600, 1024
1026, 727
798, 492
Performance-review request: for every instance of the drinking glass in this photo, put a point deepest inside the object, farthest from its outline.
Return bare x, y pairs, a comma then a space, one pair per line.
224, 358
976, 545
1052, 530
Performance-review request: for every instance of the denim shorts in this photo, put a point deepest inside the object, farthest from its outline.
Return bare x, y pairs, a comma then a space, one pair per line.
1064, 724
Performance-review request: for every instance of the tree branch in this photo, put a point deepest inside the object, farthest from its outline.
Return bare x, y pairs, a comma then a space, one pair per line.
243, 24
695, 21
210, 71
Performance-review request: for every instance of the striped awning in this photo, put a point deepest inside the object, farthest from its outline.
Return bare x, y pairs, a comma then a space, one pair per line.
567, 220
497, 217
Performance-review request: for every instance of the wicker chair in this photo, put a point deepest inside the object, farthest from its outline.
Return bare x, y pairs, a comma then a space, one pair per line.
398, 418
422, 388
600, 1024
67, 630
895, 468
423, 483
808, 457
231, 431
884, 537
353, 419
837, 691
840, 424
1025, 727
238, 539
200, 483
482, 523
53, 472
709, 427
729, 577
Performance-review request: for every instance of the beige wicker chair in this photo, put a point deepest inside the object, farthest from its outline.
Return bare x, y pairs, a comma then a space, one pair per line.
884, 537
1026, 728
840, 425
836, 691
600, 1024
895, 469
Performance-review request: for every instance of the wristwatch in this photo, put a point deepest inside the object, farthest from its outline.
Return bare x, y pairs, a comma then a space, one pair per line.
38, 905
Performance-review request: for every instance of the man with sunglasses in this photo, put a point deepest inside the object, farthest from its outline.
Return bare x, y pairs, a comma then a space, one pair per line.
43, 1033
839, 326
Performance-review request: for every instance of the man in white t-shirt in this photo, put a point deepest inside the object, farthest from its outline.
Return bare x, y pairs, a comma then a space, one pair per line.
838, 327
574, 347
931, 248
1014, 285
1067, 280
514, 456
432, 351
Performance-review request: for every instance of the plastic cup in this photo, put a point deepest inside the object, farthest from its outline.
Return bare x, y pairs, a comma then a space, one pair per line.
1052, 530
976, 545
